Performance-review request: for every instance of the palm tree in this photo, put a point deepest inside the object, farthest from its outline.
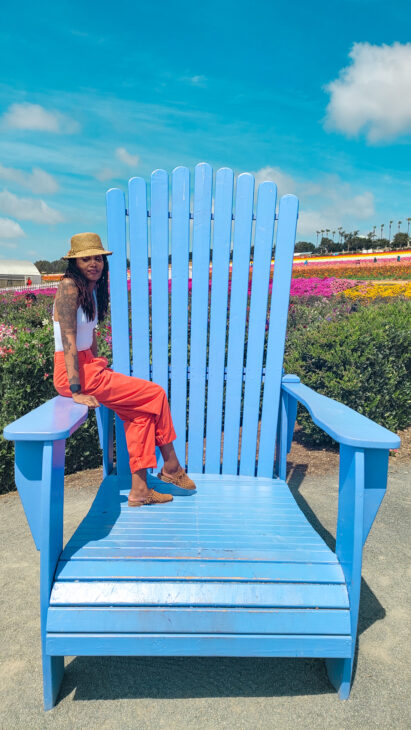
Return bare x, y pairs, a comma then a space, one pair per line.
333, 232
389, 235
408, 226
318, 233
399, 223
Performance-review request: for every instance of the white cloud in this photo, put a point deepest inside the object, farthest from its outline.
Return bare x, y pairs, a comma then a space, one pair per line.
285, 183
106, 173
29, 209
36, 118
10, 229
373, 93
326, 203
126, 157
195, 80
38, 181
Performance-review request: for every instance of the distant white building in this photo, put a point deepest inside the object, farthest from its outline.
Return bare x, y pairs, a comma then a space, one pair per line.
17, 273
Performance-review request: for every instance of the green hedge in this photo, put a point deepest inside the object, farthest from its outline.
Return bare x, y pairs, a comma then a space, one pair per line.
26, 378
26, 381
362, 360
354, 352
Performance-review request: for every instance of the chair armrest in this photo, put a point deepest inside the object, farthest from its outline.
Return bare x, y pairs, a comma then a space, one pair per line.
340, 422
39, 465
56, 419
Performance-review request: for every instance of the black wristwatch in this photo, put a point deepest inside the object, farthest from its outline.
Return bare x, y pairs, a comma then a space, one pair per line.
75, 388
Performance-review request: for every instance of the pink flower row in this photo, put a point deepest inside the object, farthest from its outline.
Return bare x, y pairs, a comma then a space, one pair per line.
369, 262
313, 286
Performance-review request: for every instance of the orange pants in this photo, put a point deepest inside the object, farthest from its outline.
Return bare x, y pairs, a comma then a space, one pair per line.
141, 405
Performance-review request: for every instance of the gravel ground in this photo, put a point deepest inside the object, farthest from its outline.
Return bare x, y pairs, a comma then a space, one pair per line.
128, 692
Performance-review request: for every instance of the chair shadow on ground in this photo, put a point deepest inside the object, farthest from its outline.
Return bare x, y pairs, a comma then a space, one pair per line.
114, 677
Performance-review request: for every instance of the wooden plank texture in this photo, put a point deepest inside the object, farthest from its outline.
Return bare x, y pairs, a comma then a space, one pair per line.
237, 319
196, 593
280, 296
194, 620
140, 329
197, 570
198, 645
159, 277
223, 203
263, 245
180, 244
239, 518
203, 180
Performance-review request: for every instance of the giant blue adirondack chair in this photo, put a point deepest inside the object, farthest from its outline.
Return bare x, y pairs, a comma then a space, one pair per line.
234, 569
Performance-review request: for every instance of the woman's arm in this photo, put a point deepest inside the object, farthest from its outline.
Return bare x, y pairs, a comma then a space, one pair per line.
93, 348
67, 305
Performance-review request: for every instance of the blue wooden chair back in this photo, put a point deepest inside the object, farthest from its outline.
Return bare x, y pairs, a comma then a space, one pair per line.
188, 358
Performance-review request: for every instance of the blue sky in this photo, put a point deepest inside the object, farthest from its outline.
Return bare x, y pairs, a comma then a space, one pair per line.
315, 96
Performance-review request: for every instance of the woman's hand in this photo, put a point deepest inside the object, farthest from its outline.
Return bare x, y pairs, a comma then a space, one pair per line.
86, 400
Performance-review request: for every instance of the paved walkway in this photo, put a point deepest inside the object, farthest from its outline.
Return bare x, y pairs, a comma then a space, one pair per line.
124, 692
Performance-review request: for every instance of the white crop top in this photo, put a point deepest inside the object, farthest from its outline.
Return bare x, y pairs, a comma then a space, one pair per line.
84, 338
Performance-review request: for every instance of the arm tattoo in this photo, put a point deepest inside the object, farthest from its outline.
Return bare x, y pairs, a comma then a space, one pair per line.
67, 305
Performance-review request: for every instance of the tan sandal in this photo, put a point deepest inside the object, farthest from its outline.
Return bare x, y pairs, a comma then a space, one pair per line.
153, 498
179, 478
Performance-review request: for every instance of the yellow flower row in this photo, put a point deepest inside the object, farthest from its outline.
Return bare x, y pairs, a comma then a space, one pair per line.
372, 291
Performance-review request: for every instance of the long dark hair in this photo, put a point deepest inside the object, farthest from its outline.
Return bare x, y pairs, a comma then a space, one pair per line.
85, 298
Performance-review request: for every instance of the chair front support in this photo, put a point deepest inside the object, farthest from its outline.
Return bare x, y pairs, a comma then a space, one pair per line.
40, 438
362, 484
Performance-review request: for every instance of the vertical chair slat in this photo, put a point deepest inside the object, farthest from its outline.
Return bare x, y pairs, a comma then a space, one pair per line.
199, 312
237, 319
159, 277
223, 204
116, 238
137, 206
180, 244
284, 250
263, 243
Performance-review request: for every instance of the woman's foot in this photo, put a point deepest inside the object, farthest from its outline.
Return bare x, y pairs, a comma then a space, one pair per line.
152, 498
140, 494
179, 478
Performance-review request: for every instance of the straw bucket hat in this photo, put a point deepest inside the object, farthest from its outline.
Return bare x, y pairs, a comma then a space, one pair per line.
86, 244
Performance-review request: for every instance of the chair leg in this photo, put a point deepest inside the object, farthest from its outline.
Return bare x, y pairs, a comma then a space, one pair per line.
53, 671
52, 499
339, 673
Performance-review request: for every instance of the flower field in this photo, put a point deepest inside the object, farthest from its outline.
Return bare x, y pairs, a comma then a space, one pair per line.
376, 291
369, 320
302, 288
362, 269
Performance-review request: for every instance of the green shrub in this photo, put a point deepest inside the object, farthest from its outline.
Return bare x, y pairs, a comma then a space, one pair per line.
26, 381
355, 352
361, 360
